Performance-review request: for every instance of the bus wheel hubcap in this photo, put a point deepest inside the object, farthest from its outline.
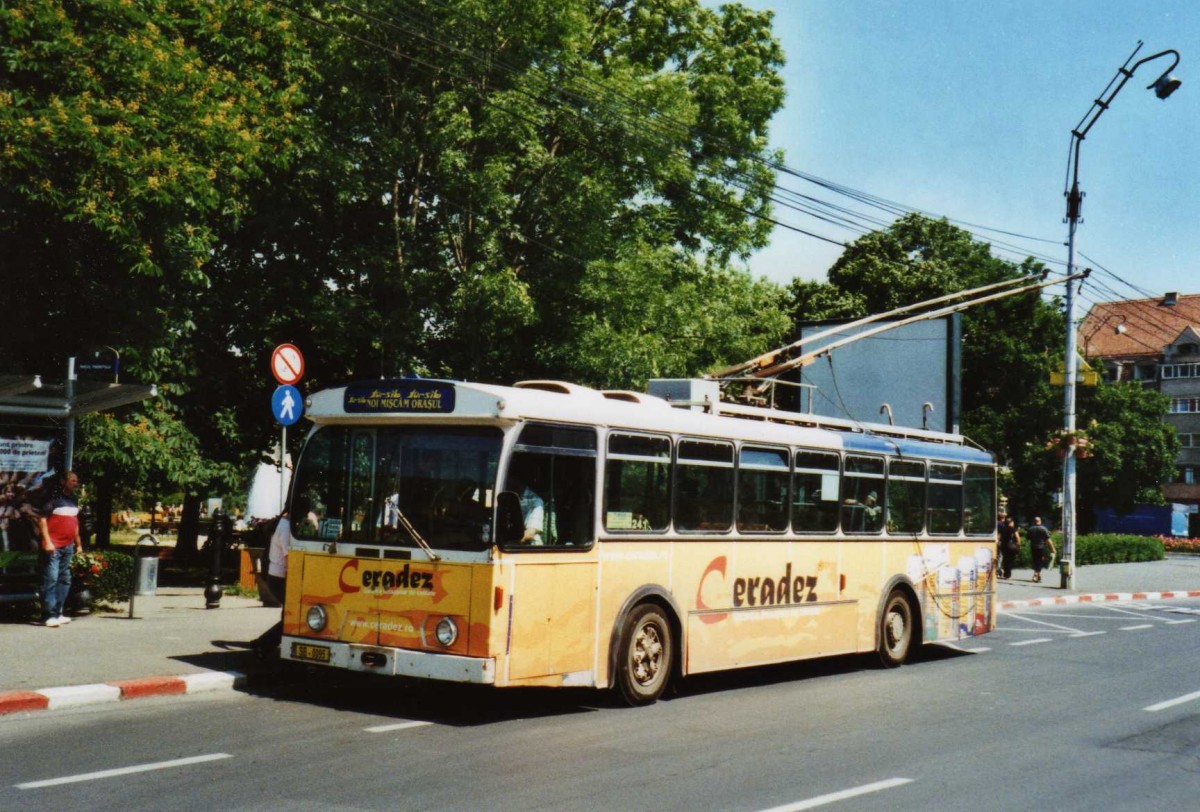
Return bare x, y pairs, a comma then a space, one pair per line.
895, 628
647, 654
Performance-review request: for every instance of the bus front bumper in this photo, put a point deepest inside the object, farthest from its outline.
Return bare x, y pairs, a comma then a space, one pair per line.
390, 661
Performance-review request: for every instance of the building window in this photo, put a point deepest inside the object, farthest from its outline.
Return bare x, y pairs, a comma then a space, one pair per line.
1180, 371
1185, 405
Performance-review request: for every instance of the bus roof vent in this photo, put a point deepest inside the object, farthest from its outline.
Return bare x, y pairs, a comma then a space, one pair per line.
626, 396
558, 387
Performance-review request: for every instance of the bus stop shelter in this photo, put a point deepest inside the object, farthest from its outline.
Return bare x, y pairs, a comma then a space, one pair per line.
37, 441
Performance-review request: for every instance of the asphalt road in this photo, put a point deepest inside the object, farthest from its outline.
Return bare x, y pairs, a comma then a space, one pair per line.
1072, 708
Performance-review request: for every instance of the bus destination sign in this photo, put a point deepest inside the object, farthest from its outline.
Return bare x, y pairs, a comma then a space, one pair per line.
399, 396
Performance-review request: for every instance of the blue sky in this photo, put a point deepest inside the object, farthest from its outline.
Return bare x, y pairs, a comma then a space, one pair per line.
964, 109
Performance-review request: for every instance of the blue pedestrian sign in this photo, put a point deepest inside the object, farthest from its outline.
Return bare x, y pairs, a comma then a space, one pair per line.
287, 404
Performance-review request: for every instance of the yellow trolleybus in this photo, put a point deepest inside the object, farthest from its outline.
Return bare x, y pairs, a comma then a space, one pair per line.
547, 534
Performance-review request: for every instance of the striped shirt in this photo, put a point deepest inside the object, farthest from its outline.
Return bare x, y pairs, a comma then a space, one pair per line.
62, 520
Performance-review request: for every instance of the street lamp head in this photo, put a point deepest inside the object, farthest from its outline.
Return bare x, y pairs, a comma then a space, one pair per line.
1165, 85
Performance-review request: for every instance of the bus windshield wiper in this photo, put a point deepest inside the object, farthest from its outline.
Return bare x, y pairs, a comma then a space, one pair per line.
412, 531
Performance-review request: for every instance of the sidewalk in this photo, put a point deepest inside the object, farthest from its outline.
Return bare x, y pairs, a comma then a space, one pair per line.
1176, 575
175, 645
170, 635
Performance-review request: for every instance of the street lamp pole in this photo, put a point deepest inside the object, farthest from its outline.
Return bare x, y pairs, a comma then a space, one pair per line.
1163, 87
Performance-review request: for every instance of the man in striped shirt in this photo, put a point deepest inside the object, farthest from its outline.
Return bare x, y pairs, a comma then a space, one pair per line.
59, 523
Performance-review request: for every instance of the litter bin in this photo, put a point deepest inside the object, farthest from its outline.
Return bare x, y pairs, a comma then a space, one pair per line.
145, 566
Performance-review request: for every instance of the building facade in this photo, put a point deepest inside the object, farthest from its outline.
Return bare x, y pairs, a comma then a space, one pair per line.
1155, 342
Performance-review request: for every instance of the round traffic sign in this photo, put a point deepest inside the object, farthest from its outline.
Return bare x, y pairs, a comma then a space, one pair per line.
287, 404
287, 364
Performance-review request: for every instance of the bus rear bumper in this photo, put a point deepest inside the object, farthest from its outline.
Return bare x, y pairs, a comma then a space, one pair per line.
390, 661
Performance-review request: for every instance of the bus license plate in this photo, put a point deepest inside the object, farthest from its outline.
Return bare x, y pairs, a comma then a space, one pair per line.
318, 654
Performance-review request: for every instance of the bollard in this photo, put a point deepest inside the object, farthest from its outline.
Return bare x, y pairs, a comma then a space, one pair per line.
218, 537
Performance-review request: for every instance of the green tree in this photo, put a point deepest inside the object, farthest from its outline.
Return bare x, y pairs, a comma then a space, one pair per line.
1131, 450
474, 188
131, 136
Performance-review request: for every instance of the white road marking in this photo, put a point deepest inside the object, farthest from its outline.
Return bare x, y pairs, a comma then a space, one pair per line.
1067, 629
396, 726
1135, 628
1031, 642
1170, 703
958, 648
834, 797
139, 768
1177, 622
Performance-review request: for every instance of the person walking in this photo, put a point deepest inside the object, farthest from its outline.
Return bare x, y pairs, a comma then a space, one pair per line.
59, 526
1039, 544
1010, 544
277, 552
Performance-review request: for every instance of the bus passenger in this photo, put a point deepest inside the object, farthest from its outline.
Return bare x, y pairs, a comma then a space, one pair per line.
533, 510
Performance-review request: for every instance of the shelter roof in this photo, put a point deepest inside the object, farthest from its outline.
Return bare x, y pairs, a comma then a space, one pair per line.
30, 396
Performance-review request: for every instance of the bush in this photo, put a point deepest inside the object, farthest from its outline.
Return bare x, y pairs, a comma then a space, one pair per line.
1104, 548
108, 574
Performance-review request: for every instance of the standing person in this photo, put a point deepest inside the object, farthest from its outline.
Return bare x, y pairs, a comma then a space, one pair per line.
1039, 542
1010, 544
59, 525
281, 539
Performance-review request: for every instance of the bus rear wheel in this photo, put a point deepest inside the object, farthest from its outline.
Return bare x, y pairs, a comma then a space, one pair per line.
646, 655
895, 630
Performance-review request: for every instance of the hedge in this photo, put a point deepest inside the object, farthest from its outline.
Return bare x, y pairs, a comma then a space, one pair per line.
1103, 548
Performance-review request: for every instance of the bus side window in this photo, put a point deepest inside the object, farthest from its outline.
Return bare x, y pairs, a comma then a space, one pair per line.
945, 499
704, 481
762, 490
637, 483
553, 473
862, 495
815, 488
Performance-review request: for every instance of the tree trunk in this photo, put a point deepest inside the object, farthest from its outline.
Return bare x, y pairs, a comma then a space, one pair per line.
104, 512
189, 528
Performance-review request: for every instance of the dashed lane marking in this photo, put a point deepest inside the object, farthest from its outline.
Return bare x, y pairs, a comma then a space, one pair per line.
843, 795
1170, 703
1139, 626
1031, 642
396, 726
119, 771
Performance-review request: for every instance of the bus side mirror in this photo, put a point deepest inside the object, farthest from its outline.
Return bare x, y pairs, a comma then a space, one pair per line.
510, 524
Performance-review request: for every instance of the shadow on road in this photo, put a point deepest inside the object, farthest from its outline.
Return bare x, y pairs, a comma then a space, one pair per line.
472, 705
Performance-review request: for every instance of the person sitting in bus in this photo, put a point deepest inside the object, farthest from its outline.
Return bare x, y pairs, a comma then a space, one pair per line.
533, 511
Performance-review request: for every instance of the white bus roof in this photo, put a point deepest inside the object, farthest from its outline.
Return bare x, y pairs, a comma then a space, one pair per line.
434, 401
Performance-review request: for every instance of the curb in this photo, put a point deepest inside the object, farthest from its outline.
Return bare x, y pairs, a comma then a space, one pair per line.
1100, 597
72, 696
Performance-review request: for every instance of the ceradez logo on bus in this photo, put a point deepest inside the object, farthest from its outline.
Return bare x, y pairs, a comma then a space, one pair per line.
384, 580
757, 591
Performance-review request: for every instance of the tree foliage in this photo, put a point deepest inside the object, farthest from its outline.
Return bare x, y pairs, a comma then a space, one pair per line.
482, 189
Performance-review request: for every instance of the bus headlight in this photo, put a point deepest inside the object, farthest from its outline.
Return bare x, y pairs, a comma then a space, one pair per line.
446, 631
317, 618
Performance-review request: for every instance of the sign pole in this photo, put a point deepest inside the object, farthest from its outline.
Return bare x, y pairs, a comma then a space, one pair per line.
282, 469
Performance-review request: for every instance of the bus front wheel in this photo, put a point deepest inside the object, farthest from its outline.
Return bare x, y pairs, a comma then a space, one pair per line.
646, 655
895, 630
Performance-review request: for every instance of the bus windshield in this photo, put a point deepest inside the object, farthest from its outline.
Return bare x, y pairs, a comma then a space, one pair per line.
366, 485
